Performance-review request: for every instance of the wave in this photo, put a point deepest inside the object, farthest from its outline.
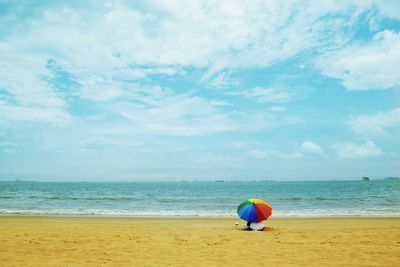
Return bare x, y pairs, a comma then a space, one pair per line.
86, 198
204, 213
312, 198
291, 198
326, 198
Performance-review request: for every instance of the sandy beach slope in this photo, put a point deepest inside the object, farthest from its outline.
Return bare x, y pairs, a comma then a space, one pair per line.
104, 241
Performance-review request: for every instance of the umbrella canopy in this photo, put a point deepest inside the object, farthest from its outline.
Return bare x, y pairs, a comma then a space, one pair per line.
254, 210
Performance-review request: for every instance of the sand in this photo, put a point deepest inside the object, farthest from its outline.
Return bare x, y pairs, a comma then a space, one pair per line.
105, 241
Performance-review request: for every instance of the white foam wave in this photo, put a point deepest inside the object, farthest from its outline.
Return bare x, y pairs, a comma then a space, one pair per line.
205, 213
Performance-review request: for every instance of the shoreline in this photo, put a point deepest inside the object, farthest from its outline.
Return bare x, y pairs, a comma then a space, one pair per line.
193, 217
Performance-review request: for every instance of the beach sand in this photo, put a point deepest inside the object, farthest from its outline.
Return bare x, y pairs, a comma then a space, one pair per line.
108, 241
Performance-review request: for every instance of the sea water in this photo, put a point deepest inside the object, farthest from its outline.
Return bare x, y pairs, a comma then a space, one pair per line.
288, 199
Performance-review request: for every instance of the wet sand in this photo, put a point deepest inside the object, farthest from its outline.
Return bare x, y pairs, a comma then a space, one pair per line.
110, 241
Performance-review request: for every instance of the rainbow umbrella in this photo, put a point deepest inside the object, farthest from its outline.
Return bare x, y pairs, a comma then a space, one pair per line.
254, 210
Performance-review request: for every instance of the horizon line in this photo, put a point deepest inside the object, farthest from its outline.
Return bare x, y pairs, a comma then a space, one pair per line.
196, 180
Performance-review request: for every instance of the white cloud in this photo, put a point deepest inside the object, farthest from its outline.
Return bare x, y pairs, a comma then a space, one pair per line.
101, 92
156, 110
307, 147
237, 145
99, 142
267, 95
114, 38
293, 155
389, 8
10, 147
351, 150
277, 109
105, 47
29, 96
271, 95
12, 113
257, 154
219, 103
28, 90
373, 65
375, 124
310, 147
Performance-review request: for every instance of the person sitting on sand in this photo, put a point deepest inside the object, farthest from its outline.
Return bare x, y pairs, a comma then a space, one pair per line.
257, 226
246, 227
253, 226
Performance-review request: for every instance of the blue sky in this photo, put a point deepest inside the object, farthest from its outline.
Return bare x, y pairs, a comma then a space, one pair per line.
154, 90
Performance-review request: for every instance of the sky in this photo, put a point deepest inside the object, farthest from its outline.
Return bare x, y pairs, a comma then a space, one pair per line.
199, 90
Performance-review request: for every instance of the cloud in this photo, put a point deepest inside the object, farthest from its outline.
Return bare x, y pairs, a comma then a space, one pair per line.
101, 92
10, 147
25, 95
277, 109
271, 95
375, 124
106, 49
221, 80
113, 38
310, 147
368, 66
267, 95
156, 110
237, 145
257, 154
349, 150
307, 147
100, 143
388, 8
292, 155
11, 113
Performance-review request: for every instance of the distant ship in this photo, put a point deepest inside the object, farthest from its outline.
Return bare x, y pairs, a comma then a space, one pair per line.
365, 178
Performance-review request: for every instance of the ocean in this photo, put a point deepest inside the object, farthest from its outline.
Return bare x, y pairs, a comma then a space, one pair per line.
288, 199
